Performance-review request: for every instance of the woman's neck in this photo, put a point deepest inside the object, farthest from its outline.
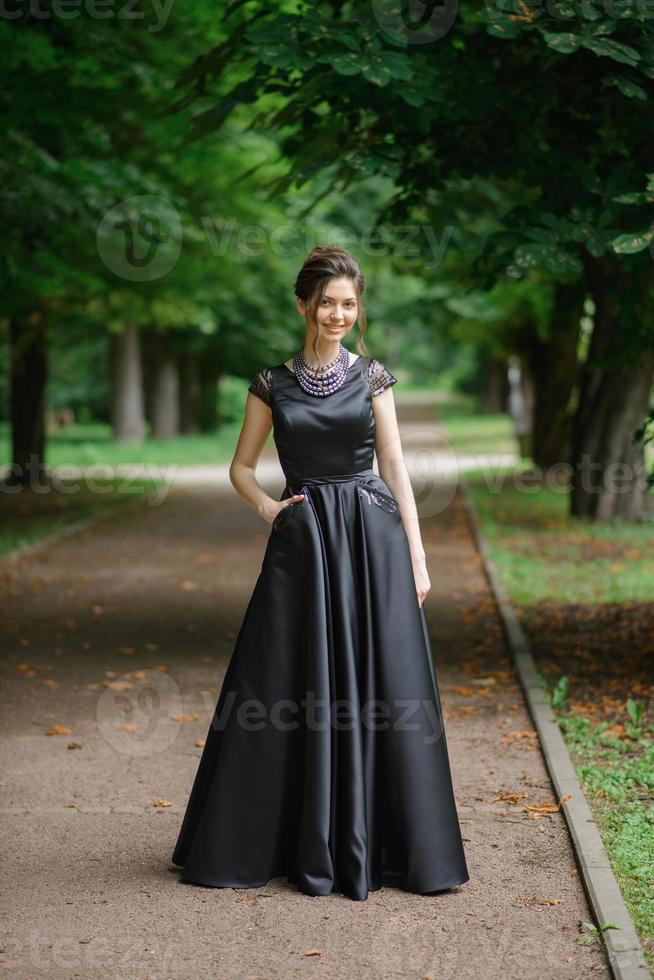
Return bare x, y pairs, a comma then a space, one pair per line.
328, 351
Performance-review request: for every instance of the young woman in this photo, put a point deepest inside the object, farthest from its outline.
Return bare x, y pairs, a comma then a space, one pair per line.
326, 761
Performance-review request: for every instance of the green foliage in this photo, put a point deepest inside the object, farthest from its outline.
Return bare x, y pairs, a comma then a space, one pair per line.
565, 162
617, 776
560, 693
636, 711
594, 932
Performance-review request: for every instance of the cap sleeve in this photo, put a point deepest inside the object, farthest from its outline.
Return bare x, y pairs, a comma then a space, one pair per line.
379, 377
261, 386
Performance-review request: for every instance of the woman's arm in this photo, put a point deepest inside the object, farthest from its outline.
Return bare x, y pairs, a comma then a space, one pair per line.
393, 472
255, 430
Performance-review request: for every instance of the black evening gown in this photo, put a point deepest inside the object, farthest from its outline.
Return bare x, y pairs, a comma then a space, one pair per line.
326, 760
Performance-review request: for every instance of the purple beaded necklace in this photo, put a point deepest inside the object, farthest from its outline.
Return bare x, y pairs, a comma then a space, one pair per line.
323, 380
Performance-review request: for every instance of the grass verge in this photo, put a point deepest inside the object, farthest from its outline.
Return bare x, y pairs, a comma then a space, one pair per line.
583, 593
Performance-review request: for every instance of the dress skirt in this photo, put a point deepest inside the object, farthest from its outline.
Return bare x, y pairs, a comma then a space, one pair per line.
326, 759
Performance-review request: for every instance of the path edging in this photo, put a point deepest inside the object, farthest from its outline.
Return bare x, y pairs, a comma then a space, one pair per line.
623, 947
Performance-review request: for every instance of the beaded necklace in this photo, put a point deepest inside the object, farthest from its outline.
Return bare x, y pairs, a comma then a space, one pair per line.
323, 380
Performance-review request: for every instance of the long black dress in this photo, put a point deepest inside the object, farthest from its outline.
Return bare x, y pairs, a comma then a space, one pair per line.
326, 760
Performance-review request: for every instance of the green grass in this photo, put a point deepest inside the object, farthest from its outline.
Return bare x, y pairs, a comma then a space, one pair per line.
26, 517
618, 778
543, 555
86, 445
471, 433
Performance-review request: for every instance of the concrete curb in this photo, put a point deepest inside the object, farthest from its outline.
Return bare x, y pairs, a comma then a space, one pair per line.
70, 529
623, 948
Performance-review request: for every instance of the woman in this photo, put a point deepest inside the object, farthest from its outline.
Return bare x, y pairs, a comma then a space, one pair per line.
326, 760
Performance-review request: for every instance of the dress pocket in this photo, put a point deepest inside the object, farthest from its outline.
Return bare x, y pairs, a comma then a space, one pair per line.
286, 514
375, 496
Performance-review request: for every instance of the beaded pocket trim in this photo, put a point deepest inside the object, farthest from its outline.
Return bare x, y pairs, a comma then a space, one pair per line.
374, 496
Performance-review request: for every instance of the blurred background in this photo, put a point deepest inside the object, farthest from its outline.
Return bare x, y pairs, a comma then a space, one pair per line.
164, 171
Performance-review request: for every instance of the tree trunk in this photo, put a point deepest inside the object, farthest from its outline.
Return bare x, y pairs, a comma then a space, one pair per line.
188, 392
208, 376
126, 386
521, 403
29, 375
496, 386
554, 368
165, 391
529, 394
609, 479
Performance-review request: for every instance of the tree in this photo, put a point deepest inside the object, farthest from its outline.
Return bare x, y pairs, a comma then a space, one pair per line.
573, 151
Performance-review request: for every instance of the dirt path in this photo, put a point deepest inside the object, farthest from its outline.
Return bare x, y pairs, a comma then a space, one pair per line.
158, 593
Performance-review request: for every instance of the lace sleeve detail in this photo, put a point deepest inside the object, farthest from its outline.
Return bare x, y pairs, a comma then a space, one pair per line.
261, 386
379, 377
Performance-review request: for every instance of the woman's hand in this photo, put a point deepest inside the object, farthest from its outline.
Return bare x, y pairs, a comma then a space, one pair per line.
275, 506
421, 578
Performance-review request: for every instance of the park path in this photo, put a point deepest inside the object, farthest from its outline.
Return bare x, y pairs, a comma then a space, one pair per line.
91, 815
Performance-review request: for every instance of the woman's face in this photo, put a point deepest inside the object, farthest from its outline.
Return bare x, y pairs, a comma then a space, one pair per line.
337, 310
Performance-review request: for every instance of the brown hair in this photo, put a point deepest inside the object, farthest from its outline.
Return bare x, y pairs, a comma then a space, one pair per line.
322, 264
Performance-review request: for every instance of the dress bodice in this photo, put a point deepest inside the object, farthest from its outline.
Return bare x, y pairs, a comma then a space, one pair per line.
321, 436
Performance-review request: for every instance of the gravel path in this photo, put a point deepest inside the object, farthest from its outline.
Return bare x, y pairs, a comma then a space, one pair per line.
115, 630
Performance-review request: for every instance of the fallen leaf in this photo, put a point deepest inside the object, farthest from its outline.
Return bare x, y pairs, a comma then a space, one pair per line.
119, 685
206, 558
59, 730
507, 798
543, 809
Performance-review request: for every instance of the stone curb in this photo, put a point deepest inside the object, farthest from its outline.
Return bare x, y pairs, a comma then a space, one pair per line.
622, 945
69, 530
